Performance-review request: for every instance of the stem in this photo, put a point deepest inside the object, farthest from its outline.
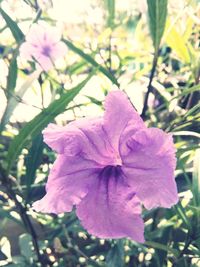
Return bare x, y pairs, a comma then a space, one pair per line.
23, 214
110, 53
149, 87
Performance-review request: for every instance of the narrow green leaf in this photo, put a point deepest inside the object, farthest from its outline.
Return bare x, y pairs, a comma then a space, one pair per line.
94, 100
187, 91
32, 161
36, 125
110, 4
12, 25
193, 110
196, 178
12, 76
91, 61
181, 212
157, 11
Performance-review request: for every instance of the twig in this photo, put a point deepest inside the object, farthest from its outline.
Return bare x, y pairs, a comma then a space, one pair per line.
149, 88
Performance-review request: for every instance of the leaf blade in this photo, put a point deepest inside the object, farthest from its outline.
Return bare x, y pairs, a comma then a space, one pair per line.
12, 25
157, 11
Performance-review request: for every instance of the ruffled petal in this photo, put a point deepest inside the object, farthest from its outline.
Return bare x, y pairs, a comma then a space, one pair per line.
111, 210
69, 181
149, 167
84, 137
118, 114
63, 139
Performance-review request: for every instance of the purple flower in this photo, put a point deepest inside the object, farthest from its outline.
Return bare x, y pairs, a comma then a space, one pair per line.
43, 45
107, 167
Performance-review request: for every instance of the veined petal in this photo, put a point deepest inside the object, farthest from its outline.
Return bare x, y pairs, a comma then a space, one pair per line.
83, 137
118, 113
149, 167
63, 139
111, 210
69, 181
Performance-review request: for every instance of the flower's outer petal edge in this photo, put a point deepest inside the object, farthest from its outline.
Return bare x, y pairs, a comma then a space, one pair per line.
118, 113
110, 210
149, 168
62, 190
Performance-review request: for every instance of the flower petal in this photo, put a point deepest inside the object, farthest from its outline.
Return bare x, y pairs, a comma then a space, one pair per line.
68, 182
26, 51
52, 35
35, 34
118, 113
83, 137
59, 50
111, 210
149, 167
45, 62
62, 139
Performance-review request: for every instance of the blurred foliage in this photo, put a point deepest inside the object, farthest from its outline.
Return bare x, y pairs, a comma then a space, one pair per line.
152, 51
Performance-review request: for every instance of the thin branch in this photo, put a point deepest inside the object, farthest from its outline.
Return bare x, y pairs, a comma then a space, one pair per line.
149, 87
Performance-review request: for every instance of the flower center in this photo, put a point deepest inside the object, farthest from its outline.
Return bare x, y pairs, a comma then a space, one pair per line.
46, 50
111, 171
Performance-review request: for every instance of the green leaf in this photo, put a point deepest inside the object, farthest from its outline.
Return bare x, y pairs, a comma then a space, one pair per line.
12, 76
110, 4
157, 11
36, 125
196, 178
193, 110
115, 256
94, 100
182, 214
33, 160
12, 25
91, 61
